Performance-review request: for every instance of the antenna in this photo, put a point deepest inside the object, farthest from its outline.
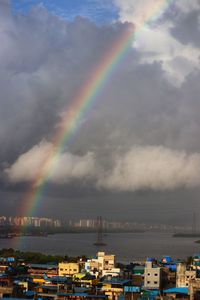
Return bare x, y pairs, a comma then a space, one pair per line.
99, 241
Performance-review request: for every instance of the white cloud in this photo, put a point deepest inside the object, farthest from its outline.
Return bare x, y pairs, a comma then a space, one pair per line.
72, 166
26, 167
152, 167
178, 60
156, 43
139, 10
29, 165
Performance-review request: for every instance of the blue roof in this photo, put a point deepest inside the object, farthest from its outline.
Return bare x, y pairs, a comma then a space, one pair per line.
116, 281
171, 266
150, 259
167, 258
30, 293
43, 266
180, 290
3, 275
59, 279
82, 295
8, 259
80, 289
49, 287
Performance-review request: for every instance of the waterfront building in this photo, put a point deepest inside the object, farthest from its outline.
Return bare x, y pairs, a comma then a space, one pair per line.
29, 221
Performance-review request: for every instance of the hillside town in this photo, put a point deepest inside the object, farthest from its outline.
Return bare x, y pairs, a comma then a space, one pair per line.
101, 277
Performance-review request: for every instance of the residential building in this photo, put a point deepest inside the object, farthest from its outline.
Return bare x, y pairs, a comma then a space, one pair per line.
106, 261
184, 276
152, 276
103, 264
68, 269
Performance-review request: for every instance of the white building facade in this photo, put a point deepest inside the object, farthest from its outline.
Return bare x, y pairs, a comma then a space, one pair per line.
152, 276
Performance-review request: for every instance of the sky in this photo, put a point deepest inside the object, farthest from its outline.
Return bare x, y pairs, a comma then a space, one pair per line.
136, 153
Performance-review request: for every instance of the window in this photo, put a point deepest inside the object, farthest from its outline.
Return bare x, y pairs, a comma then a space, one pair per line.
155, 282
155, 274
148, 274
61, 269
148, 282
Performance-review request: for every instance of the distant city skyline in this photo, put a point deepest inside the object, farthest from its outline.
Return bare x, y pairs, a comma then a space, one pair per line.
92, 224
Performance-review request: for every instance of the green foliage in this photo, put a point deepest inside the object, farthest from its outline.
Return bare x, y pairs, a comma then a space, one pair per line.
37, 257
7, 252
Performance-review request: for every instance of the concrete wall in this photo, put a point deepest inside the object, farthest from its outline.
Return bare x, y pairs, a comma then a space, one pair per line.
152, 276
66, 269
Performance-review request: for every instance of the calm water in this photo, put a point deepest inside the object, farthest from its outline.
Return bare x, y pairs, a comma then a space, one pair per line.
126, 246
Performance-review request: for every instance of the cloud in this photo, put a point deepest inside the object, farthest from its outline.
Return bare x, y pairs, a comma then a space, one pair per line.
187, 7
149, 167
74, 167
178, 60
130, 10
42, 72
156, 41
43, 64
26, 167
187, 28
29, 165
153, 167
45, 61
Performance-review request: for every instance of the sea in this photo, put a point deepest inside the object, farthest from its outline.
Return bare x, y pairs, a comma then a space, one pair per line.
128, 247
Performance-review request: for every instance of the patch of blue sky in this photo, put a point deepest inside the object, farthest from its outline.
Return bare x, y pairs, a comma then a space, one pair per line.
99, 11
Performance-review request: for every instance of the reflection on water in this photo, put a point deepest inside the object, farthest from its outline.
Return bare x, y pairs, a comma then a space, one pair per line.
126, 246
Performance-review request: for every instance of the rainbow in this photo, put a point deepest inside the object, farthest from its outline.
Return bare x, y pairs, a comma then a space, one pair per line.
87, 96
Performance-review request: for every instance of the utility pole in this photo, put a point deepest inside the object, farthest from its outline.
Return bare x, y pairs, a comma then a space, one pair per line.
99, 241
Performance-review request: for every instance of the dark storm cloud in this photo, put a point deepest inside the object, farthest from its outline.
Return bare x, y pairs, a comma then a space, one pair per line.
187, 29
44, 62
